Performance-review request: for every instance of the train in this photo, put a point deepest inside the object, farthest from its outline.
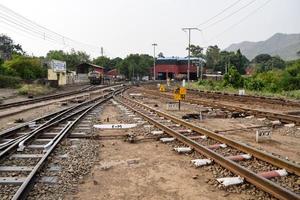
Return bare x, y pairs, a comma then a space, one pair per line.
96, 78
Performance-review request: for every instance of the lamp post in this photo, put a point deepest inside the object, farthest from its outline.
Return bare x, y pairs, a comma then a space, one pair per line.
154, 75
189, 29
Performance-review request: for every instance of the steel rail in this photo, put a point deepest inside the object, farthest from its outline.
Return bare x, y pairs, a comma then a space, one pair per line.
8, 131
26, 186
272, 100
270, 115
262, 183
46, 125
49, 97
267, 157
5, 132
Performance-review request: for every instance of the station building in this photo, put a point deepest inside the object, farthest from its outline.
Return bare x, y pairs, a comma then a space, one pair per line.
83, 70
176, 68
56, 72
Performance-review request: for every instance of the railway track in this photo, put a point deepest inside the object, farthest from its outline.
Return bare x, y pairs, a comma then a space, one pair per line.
228, 153
286, 118
34, 147
243, 98
51, 97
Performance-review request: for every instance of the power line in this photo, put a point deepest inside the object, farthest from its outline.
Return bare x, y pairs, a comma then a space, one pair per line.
221, 12
17, 21
240, 21
21, 20
229, 15
45, 30
21, 27
29, 33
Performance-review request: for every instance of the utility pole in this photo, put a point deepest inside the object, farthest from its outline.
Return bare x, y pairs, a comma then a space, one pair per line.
154, 45
189, 29
102, 51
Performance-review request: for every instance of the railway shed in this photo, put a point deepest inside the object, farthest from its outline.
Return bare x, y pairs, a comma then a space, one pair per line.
83, 69
176, 67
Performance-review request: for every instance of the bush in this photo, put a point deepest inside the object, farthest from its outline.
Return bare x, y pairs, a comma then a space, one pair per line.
291, 77
211, 85
254, 84
233, 78
25, 67
9, 81
34, 89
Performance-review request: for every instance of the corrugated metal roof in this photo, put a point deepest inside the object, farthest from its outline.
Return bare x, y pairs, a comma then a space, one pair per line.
180, 58
97, 66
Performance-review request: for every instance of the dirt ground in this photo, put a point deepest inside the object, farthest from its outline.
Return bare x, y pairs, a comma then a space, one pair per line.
9, 95
253, 105
145, 170
285, 145
46, 103
28, 115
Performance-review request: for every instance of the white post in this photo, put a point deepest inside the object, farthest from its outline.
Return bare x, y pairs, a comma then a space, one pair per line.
154, 75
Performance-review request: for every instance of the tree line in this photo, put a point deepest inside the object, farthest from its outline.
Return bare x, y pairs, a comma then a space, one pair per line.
221, 60
269, 72
17, 66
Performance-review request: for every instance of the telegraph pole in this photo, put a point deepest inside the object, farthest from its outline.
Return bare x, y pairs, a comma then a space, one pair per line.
102, 51
189, 29
154, 45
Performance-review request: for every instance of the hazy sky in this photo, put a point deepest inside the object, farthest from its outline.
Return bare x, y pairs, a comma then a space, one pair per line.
131, 26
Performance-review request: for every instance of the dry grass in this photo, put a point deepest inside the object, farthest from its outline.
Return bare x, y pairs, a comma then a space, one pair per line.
34, 89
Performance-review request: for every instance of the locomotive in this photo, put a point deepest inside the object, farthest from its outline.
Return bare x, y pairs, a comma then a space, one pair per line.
95, 77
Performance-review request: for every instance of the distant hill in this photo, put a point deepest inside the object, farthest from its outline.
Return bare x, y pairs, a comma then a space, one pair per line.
284, 45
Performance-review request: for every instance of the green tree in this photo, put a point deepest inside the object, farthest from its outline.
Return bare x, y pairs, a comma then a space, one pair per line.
56, 55
233, 78
115, 61
196, 51
8, 48
161, 55
236, 59
28, 68
291, 77
72, 58
261, 58
103, 61
240, 62
212, 57
135, 65
275, 63
265, 62
107, 62
224, 61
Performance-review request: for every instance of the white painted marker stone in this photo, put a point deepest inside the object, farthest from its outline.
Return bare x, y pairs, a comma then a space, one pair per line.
114, 126
183, 149
157, 132
201, 162
148, 126
135, 94
261, 119
290, 125
165, 140
227, 181
276, 122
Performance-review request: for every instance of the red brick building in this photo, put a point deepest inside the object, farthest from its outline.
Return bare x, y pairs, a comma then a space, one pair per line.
175, 67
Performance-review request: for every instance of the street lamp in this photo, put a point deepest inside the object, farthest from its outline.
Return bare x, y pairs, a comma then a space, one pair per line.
154, 45
189, 61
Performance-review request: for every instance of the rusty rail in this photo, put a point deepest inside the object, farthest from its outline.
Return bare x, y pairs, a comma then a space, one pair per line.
270, 115
262, 183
